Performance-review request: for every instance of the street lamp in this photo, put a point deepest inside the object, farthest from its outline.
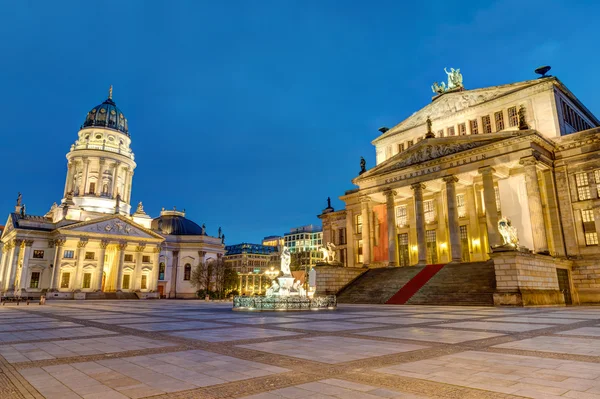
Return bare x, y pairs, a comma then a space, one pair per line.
272, 273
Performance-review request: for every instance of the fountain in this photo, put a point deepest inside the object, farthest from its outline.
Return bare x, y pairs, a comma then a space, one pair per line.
285, 294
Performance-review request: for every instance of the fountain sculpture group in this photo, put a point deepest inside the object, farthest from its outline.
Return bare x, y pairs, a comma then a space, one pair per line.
285, 294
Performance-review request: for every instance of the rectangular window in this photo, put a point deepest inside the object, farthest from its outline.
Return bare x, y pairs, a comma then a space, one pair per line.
597, 180
128, 258
144, 283
87, 280
342, 236
64, 280
409, 143
473, 126
403, 253
499, 119
89, 256
400, 147
431, 242
464, 240
429, 211
583, 186
486, 122
462, 129
460, 205
359, 251
68, 254
146, 258
92, 188
513, 117
35, 280
451, 131
358, 224
401, 216
126, 279
38, 254
589, 227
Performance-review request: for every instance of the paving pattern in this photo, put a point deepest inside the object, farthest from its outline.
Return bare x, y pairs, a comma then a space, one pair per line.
194, 349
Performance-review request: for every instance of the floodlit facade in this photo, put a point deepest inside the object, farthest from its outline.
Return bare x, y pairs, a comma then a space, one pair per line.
444, 177
91, 243
304, 243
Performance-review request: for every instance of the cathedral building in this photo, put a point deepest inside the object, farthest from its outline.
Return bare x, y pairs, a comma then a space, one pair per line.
524, 154
92, 245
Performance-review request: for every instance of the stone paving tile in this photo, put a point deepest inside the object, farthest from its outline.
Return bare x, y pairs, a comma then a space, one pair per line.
232, 334
330, 349
526, 376
573, 315
331, 389
143, 375
535, 320
449, 316
21, 319
570, 345
259, 320
489, 325
172, 326
35, 335
402, 320
9, 327
589, 331
77, 347
431, 334
329, 325
128, 319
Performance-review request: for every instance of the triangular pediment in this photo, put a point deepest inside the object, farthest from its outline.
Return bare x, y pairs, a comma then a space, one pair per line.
114, 225
436, 148
449, 104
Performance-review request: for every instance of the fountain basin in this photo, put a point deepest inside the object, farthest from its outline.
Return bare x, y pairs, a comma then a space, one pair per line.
283, 303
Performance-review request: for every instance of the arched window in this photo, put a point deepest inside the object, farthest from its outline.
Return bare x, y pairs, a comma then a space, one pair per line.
187, 272
161, 271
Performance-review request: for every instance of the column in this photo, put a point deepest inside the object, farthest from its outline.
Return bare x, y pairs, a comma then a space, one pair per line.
13, 266
6, 251
69, 181
114, 179
420, 223
259, 284
103, 245
137, 280
80, 257
253, 283
366, 239
455, 245
174, 266
25, 266
241, 282
534, 199
129, 181
58, 243
247, 278
391, 224
154, 284
100, 174
491, 211
121, 252
86, 169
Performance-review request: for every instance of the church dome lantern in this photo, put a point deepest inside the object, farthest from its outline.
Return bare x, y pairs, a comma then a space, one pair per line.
107, 115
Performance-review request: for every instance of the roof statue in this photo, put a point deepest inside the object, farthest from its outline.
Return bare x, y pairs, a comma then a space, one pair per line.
19, 199
110, 92
363, 166
430, 134
220, 232
455, 81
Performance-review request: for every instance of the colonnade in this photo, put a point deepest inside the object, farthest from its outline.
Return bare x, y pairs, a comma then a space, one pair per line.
78, 177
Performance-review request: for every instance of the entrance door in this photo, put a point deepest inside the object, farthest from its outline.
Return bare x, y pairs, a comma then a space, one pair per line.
161, 291
563, 284
403, 259
431, 240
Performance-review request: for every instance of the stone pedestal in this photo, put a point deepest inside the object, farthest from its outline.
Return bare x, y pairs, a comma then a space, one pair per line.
331, 279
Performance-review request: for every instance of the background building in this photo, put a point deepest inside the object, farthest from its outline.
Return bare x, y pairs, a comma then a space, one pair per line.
249, 258
273, 241
304, 243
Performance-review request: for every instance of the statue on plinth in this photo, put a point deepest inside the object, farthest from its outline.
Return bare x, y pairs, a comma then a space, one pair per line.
508, 232
363, 166
286, 259
329, 253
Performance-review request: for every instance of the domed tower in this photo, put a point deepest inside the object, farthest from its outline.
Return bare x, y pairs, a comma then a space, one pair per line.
100, 165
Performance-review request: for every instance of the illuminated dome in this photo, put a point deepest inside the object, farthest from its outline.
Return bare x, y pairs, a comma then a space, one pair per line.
107, 115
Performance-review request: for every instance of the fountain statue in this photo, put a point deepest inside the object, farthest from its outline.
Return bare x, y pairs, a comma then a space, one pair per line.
286, 285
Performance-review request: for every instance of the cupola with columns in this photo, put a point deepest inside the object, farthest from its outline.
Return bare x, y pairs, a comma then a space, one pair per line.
100, 166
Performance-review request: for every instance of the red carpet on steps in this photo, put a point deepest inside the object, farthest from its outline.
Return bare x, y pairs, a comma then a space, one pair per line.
414, 285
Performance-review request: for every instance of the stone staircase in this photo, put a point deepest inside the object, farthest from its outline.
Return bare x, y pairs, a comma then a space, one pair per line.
471, 283
111, 295
377, 285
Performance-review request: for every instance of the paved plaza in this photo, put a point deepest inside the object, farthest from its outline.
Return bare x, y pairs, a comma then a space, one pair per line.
194, 349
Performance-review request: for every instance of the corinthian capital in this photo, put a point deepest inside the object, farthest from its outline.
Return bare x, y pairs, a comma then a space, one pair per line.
450, 179
417, 186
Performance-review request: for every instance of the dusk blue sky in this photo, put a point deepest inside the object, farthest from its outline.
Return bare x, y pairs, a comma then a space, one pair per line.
249, 114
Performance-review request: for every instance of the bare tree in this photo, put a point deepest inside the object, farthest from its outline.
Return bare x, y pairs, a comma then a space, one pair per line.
202, 275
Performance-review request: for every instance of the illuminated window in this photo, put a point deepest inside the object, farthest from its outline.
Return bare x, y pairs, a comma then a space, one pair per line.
161, 271
126, 280
431, 246
460, 205
589, 227
401, 215
451, 131
429, 211
35, 280
89, 256
597, 180
499, 119
359, 251
497, 195
87, 280
144, 283
464, 240
513, 117
187, 272
486, 123
462, 129
473, 126
358, 224
38, 254
583, 186
400, 147
64, 280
